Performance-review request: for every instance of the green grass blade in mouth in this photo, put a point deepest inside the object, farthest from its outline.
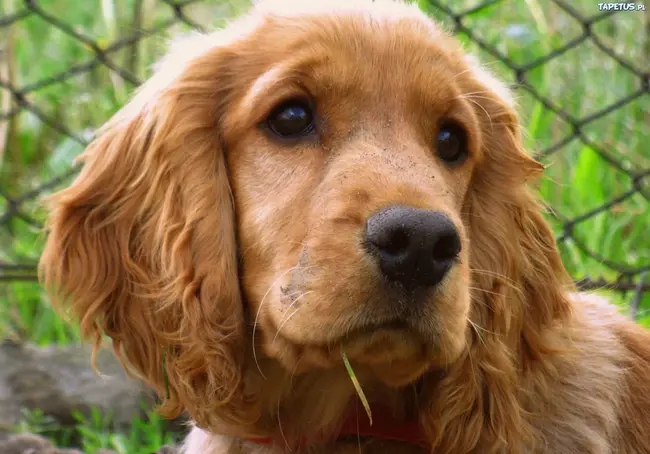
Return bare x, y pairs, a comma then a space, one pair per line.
357, 385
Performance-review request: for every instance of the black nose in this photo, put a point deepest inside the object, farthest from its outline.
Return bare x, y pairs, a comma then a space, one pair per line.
414, 247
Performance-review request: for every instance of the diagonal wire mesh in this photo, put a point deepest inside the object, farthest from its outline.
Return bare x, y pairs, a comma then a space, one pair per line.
582, 77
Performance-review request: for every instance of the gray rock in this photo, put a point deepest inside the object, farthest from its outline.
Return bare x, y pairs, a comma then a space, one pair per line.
36, 444
32, 444
59, 381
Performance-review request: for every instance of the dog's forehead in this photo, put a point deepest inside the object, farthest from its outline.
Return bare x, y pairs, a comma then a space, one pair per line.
362, 47
278, 28
384, 35
403, 21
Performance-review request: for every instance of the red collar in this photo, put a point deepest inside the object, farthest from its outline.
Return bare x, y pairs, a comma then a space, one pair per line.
356, 423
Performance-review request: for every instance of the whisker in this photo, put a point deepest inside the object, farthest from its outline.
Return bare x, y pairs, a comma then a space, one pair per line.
476, 330
288, 308
471, 364
293, 372
484, 110
482, 303
472, 94
493, 274
286, 320
489, 292
465, 96
461, 73
286, 443
462, 95
478, 327
257, 316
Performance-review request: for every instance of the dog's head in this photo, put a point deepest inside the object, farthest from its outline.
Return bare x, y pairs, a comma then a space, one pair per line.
310, 179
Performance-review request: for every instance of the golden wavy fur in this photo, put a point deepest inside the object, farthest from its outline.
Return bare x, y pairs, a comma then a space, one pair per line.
197, 239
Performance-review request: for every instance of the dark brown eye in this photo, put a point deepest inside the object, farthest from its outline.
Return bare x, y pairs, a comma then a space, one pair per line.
293, 118
451, 143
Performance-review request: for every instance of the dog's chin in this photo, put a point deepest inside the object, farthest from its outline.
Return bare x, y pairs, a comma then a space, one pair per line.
399, 356
394, 354
393, 358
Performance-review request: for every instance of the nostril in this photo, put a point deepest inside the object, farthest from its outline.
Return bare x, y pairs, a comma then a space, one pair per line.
447, 247
397, 241
392, 238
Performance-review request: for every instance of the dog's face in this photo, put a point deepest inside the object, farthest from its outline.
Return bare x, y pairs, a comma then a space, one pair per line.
350, 163
307, 182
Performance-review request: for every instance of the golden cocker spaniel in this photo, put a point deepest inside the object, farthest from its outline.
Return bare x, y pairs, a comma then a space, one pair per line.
333, 181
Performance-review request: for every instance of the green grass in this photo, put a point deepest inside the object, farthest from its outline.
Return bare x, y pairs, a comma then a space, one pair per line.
582, 81
95, 431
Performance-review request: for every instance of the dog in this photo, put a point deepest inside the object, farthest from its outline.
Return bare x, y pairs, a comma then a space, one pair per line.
331, 191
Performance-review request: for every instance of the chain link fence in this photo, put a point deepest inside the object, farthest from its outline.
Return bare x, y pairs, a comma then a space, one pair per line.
581, 74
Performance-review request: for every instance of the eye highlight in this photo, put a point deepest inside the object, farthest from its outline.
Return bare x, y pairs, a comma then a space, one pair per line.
451, 142
291, 119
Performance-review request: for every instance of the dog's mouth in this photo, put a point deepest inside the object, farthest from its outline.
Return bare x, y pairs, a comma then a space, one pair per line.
382, 341
366, 327
393, 350
369, 336
370, 329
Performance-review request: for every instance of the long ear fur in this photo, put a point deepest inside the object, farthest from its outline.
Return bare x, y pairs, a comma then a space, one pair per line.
519, 292
142, 245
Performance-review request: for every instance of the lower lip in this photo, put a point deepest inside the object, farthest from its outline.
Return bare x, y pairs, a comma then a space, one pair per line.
396, 325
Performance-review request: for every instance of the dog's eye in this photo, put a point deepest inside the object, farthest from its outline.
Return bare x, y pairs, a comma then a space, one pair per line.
451, 143
292, 118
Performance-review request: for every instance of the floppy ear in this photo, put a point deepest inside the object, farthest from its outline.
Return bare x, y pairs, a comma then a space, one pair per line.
142, 248
510, 237
518, 289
